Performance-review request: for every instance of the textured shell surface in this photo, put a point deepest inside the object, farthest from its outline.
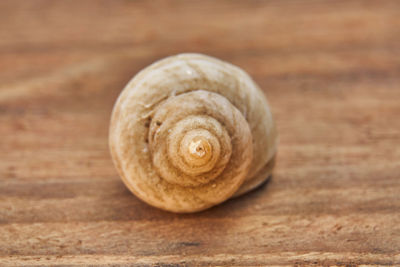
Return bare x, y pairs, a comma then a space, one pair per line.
191, 131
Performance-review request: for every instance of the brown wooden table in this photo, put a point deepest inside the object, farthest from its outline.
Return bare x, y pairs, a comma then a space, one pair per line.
331, 71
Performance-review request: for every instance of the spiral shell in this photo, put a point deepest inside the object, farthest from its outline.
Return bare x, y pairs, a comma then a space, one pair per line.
190, 131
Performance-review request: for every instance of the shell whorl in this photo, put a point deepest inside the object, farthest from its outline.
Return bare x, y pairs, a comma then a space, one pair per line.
190, 131
190, 147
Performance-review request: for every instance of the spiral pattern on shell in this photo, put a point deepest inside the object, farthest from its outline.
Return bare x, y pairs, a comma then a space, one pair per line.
190, 131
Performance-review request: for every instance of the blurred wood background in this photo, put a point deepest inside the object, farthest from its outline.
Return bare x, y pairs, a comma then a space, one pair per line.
331, 71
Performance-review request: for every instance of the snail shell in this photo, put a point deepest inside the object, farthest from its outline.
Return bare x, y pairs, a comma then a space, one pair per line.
190, 131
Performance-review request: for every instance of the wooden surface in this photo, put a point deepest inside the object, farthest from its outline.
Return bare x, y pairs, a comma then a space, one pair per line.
331, 70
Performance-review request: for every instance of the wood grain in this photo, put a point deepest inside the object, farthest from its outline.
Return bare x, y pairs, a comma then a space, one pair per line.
331, 71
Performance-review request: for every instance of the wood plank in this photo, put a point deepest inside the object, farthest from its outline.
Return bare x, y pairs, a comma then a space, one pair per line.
331, 71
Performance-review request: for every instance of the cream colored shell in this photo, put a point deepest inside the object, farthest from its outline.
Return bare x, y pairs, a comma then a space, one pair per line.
190, 131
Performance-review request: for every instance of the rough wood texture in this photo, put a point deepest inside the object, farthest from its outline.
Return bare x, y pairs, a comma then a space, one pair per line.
331, 70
